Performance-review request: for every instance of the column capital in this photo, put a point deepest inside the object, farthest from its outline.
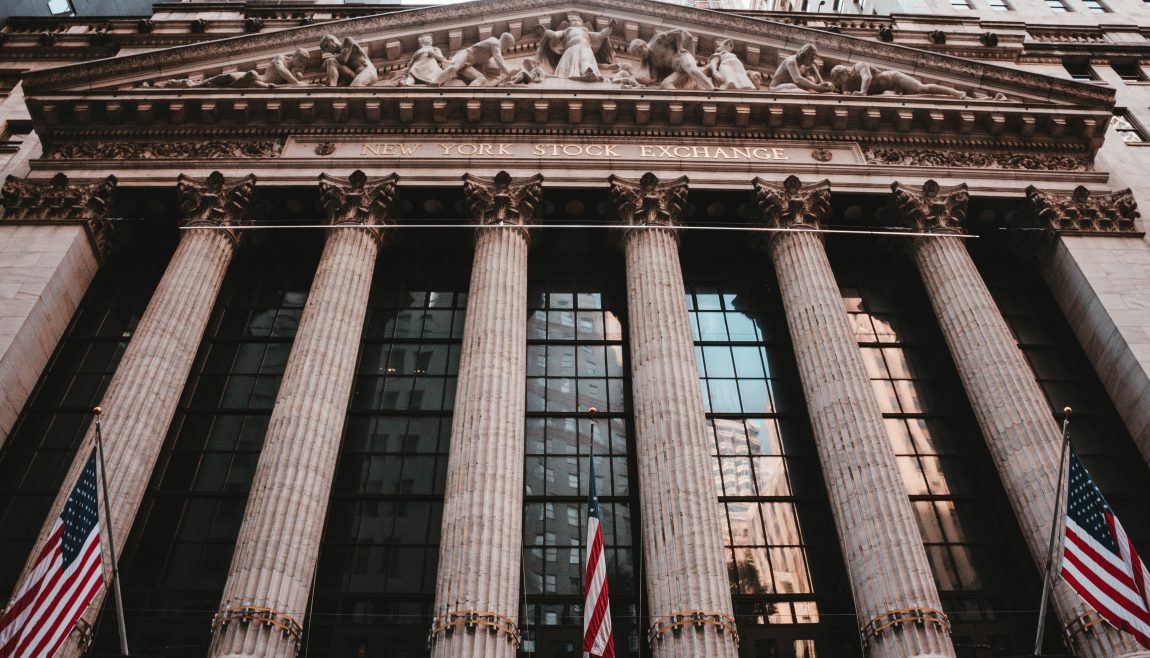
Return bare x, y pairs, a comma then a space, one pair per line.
503, 200
647, 201
215, 201
793, 204
1084, 213
935, 209
358, 201
60, 200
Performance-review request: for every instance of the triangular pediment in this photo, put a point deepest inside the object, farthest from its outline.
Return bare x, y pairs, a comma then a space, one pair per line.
391, 39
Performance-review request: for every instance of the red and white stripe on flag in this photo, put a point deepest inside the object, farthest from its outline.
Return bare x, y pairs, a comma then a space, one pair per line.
1099, 560
597, 638
68, 572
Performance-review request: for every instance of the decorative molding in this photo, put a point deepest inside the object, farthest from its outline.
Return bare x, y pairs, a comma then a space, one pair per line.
215, 201
503, 200
198, 150
1084, 213
822, 155
935, 209
648, 202
59, 199
977, 159
793, 205
358, 201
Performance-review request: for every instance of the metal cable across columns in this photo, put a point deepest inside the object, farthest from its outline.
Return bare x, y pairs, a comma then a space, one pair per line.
1022, 435
687, 582
480, 554
142, 397
895, 596
273, 566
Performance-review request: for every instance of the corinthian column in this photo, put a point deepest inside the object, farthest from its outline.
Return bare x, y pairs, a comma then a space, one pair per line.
1012, 412
142, 396
687, 581
894, 592
274, 561
53, 237
480, 550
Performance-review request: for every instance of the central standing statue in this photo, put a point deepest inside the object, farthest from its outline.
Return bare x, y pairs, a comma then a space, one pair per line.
574, 52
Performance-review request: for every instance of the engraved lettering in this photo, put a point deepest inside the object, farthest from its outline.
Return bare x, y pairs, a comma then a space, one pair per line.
408, 149
609, 150
388, 149
741, 151
780, 154
696, 150
504, 149
646, 151
370, 148
572, 149
537, 149
721, 153
468, 149
485, 149
447, 148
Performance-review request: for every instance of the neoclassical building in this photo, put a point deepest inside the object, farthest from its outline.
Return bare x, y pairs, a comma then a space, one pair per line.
347, 282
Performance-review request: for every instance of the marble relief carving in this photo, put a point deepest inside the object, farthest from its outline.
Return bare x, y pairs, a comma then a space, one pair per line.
727, 70
346, 63
203, 150
281, 70
426, 64
666, 61
470, 63
977, 159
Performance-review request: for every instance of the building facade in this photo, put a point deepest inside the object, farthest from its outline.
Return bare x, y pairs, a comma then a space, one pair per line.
347, 302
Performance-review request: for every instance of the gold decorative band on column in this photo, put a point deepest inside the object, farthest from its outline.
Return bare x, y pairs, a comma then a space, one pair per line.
892, 619
266, 616
1083, 623
472, 619
674, 623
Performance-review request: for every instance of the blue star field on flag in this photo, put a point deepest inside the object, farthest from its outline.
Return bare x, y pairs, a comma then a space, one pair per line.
80, 513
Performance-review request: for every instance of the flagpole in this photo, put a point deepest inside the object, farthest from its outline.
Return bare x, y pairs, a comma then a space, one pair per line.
591, 411
1048, 575
111, 540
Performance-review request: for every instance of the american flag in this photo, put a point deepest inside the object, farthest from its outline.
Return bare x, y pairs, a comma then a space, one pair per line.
1099, 560
68, 573
597, 638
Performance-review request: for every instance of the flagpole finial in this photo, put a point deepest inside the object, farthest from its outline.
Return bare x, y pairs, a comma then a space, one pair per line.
593, 410
99, 411
1066, 411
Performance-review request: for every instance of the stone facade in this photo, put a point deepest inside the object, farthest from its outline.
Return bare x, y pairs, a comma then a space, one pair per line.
651, 123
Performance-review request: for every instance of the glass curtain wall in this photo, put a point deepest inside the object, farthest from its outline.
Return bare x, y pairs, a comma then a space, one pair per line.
43, 442
176, 560
576, 359
975, 550
375, 586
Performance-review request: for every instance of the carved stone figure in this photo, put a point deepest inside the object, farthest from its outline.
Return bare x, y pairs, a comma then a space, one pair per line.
426, 64
625, 77
799, 73
282, 70
726, 69
346, 63
667, 62
863, 80
529, 72
574, 52
468, 64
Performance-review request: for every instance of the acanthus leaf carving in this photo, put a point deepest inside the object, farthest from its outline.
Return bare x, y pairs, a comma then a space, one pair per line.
793, 204
358, 201
215, 202
503, 200
61, 199
202, 150
649, 201
934, 209
977, 159
1082, 212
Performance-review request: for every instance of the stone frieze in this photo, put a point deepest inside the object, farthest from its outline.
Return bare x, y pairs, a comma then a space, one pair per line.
203, 150
977, 159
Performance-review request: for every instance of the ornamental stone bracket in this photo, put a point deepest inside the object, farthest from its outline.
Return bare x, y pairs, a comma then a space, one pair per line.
216, 202
1085, 213
935, 209
61, 200
359, 201
503, 200
793, 204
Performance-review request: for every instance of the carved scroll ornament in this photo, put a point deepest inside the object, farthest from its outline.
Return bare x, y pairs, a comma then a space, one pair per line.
503, 199
977, 159
1083, 212
934, 209
215, 201
358, 201
793, 204
59, 199
206, 150
647, 201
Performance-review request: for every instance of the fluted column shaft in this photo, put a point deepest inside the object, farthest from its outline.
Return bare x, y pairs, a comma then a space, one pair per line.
682, 532
880, 539
142, 396
480, 546
275, 557
1015, 419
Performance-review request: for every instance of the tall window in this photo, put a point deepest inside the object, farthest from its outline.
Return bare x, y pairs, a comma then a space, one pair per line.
1096, 6
1079, 69
44, 439
1127, 128
1058, 6
576, 360
176, 559
781, 550
999, 5
1128, 70
978, 560
375, 588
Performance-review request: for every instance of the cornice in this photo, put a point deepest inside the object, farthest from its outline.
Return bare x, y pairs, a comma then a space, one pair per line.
848, 47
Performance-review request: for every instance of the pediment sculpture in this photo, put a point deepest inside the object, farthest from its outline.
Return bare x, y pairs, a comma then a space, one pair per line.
576, 53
